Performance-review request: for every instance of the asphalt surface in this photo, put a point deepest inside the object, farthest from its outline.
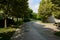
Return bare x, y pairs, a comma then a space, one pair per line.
36, 31
39, 31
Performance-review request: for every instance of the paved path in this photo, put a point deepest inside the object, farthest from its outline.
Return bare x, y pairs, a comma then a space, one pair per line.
40, 31
32, 33
37, 31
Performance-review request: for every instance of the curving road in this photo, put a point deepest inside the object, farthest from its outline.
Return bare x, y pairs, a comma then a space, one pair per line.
39, 31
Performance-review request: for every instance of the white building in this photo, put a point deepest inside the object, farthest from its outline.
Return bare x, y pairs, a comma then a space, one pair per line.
53, 20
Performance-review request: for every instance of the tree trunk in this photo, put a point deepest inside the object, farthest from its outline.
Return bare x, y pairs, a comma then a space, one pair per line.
17, 19
5, 22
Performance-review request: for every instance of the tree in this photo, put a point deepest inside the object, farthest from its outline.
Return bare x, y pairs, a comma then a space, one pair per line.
30, 14
34, 15
45, 9
56, 8
4, 6
29, 11
17, 8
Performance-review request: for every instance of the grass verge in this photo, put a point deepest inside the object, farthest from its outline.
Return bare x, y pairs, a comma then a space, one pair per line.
6, 33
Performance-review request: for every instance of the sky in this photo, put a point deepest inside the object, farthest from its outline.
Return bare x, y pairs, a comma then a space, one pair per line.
34, 5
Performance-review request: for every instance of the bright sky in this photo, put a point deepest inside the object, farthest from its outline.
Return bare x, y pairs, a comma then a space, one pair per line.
34, 5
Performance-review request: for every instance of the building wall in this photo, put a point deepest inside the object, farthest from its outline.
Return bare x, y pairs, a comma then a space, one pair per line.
52, 19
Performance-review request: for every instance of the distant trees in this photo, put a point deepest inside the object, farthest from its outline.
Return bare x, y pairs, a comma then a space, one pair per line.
30, 11
30, 14
34, 16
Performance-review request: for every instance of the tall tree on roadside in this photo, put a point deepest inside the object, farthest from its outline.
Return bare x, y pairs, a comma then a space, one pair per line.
17, 8
56, 8
20, 9
45, 9
5, 6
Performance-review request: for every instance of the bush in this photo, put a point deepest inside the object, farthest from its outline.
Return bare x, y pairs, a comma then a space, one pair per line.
57, 33
38, 18
26, 20
18, 23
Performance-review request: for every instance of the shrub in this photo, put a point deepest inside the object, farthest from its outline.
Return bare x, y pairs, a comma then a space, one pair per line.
18, 23
26, 20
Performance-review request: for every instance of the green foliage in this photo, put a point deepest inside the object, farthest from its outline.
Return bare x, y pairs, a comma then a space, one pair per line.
56, 14
15, 8
56, 8
45, 9
34, 15
48, 8
56, 2
26, 20
29, 13
20, 8
18, 23
6, 33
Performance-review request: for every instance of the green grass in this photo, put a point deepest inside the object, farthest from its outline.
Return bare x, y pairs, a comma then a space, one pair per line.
6, 33
57, 33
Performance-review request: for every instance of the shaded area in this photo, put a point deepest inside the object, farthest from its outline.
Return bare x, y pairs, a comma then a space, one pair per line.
6, 36
9, 22
6, 33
